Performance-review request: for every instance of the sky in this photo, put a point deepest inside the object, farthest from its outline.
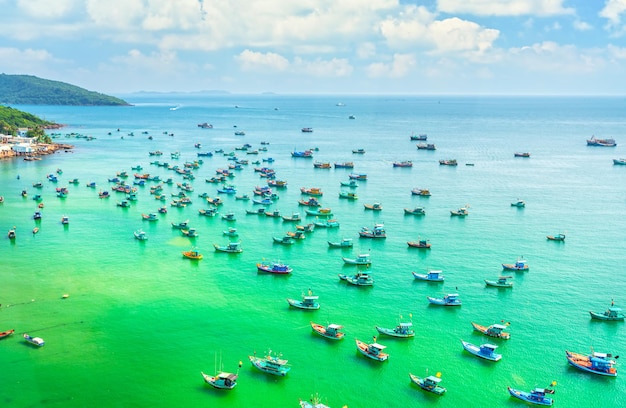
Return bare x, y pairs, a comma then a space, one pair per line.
422, 47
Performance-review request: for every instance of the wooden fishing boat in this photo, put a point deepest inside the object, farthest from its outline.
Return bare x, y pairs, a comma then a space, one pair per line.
485, 351
360, 279
377, 232
431, 276
306, 228
358, 151
278, 268
322, 165
231, 232
332, 331
415, 211
35, 341
322, 212
326, 223
556, 237
150, 217
308, 302
361, 259
601, 142
286, 240
344, 243
401, 330
140, 235
430, 383
451, 299
358, 176
296, 234
521, 154
611, 314
222, 380
243, 197
274, 213
501, 282
260, 211
193, 254
461, 212
35, 230
270, 364
494, 330
519, 265
596, 363
190, 233
448, 162
344, 165
421, 243
518, 204
405, 163
230, 216
373, 207
209, 212
536, 396
420, 137
348, 195
421, 192
231, 247
350, 184
313, 191
292, 218
7, 333
372, 350
180, 225
311, 202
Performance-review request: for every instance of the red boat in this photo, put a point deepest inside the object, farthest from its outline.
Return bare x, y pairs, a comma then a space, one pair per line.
274, 267
6, 333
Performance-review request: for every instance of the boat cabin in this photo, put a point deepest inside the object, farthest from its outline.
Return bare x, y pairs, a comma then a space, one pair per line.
404, 328
332, 329
309, 300
496, 329
434, 274
431, 381
613, 312
375, 348
488, 349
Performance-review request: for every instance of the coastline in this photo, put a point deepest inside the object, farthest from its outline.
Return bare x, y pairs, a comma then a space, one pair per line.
39, 149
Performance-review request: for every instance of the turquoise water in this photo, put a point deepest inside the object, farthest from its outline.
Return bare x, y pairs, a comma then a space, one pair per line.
141, 322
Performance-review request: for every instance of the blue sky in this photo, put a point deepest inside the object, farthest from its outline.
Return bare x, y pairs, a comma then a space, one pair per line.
321, 46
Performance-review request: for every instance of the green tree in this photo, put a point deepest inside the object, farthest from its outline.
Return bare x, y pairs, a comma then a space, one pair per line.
39, 135
7, 129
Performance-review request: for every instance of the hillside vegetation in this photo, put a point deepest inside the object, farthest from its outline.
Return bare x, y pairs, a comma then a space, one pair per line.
31, 90
11, 119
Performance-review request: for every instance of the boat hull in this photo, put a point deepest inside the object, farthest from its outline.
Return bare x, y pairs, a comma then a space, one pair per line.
602, 316
475, 350
217, 382
578, 361
364, 349
393, 333
527, 396
301, 305
321, 330
420, 382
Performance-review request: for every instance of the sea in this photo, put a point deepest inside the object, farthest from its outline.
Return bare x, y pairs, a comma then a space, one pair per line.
131, 323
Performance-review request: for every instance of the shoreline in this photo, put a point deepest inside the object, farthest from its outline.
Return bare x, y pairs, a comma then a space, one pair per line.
40, 149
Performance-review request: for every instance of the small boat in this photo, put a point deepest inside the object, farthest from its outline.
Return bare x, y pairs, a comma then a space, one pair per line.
308, 302
104, 194
306, 228
264, 201
243, 197
180, 225
322, 212
36, 341
519, 203
421, 192
406, 163
348, 195
420, 137
193, 254
232, 247
275, 214
35, 230
501, 282
486, 351
430, 383
150, 217
401, 330
373, 207
519, 265
619, 161
7, 333
37, 215
350, 184
521, 154
358, 151
123, 203
344, 243
209, 212
332, 331
92, 184
361, 259
556, 237
611, 314
596, 363
461, 212
344, 165
278, 268
451, 299
372, 350
65, 220
358, 176
377, 232
431, 276
307, 130
601, 142
296, 234
229, 216
307, 154
360, 279
448, 162
227, 190
270, 364
313, 191
494, 330
421, 243
286, 240
332, 223
231, 232
536, 396
190, 233
311, 202
322, 165
260, 211
140, 235
294, 217
222, 380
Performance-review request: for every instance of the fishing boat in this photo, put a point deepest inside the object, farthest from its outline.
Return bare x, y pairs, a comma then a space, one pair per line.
601, 142
332, 331
344, 243
35, 230
373, 207
65, 220
405, 163
306, 154
180, 225
519, 204
348, 195
344, 165
231, 247
426, 146
519, 265
227, 190
322, 212
230, 216
415, 211
7, 333
611, 314
501, 282
274, 213
313, 191
361, 259
401, 330
358, 151
421, 192
292, 218
619, 161
377, 232
222, 380
306, 228
372, 350
556, 237
193, 254
448, 162
307, 130
494, 330
36, 341
243, 197
322, 165
350, 184
485, 351
190, 233
123, 203
286, 240
357, 176
431, 276
278, 268
149, 217
308, 302
231, 232
270, 364
333, 223
360, 279
430, 383
311, 202
461, 212
209, 212
296, 234
260, 211
104, 194
37, 215
140, 235
451, 299
421, 243
521, 154
263, 201
596, 363
421, 137
536, 396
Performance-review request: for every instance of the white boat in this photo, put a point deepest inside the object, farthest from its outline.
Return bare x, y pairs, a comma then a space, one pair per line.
485, 351
432, 276
225, 381
36, 341
361, 259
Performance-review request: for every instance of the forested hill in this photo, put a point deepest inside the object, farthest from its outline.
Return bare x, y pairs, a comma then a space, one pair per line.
31, 90
12, 119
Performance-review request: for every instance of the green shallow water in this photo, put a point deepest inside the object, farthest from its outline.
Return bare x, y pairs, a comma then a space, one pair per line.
141, 322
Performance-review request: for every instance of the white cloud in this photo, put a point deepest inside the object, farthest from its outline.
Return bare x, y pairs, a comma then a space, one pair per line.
366, 50
551, 57
335, 67
581, 26
27, 56
258, 61
613, 10
504, 7
46, 9
618, 53
454, 34
399, 67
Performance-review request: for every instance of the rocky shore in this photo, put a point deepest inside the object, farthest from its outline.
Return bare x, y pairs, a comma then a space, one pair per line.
39, 149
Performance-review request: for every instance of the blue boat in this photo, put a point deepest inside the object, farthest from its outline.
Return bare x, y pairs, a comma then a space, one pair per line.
451, 299
430, 383
431, 276
270, 364
35, 341
596, 363
520, 265
536, 396
360, 279
308, 302
485, 351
